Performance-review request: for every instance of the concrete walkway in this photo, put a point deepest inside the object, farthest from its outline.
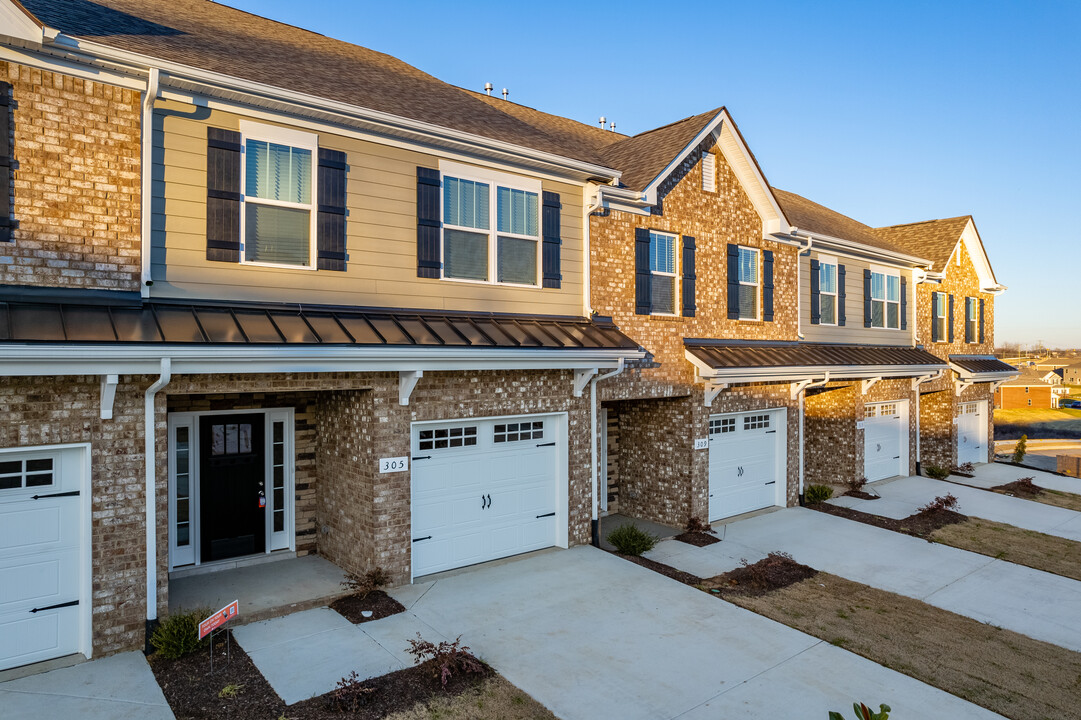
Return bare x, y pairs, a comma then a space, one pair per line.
590, 635
120, 687
993, 474
903, 497
1034, 603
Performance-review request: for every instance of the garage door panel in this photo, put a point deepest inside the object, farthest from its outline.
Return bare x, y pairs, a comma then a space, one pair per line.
44, 581
438, 476
26, 527
744, 462
45, 635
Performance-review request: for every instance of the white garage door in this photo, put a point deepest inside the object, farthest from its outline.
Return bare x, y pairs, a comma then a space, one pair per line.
486, 489
44, 612
746, 462
885, 440
972, 433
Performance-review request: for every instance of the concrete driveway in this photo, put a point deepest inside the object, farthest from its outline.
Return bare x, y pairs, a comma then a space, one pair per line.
593, 636
903, 497
1031, 602
993, 474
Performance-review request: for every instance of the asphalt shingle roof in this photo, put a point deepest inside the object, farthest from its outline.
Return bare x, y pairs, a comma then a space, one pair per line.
808, 215
934, 240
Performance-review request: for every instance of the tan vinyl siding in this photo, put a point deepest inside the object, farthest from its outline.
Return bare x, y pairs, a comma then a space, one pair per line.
853, 331
380, 233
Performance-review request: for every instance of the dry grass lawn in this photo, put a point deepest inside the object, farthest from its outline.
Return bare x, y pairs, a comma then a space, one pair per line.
1003, 671
1070, 501
1013, 544
494, 699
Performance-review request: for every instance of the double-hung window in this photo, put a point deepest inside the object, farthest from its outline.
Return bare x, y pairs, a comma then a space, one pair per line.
827, 291
662, 266
885, 300
278, 215
972, 329
479, 247
749, 282
938, 315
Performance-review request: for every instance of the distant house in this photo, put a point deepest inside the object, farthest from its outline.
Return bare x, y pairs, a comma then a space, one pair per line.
1052, 377
1029, 390
1071, 375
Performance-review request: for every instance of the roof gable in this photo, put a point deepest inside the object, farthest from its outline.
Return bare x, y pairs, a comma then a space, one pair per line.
938, 241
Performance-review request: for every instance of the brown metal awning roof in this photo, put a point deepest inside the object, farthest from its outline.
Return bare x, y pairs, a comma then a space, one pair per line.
793, 360
982, 364
186, 323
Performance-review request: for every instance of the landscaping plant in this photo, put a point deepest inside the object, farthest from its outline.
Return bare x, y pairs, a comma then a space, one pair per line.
630, 540
1020, 449
967, 468
817, 494
865, 713
448, 658
348, 694
364, 585
936, 472
942, 502
695, 525
178, 634
230, 691
856, 484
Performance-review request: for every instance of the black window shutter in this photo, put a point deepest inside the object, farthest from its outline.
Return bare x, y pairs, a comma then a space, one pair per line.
904, 303
867, 298
767, 285
688, 276
981, 320
552, 241
733, 281
936, 308
330, 225
643, 288
222, 195
841, 295
950, 320
816, 305
428, 223
5, 163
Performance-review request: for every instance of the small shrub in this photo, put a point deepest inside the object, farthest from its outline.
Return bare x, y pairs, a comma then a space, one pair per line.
865, 713
630, 540
349, 694
761, 571
364, 585
856, 484
230, 691
936, 472
1020, 449
695, 525
449, 658
178, 634
942, 502
966, 468
817, 494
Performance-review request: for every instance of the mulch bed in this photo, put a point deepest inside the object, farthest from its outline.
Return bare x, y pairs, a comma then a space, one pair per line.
773, 572
1020, 488
381, 605
920, 525
698, 539
192, 691
862, 495
667, 570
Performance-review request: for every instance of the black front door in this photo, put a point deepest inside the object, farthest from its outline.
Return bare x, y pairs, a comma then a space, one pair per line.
232, 496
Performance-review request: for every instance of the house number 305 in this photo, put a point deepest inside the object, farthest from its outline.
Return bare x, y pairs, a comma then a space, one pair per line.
397, 464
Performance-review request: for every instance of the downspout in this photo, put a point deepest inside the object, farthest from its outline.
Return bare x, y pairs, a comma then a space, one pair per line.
802, 405
595, 530
150, 458
147, 169
587, 301
799, 291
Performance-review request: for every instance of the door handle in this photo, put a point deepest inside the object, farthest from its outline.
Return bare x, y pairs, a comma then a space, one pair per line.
547, 515
489, 501
545, 444
423, 457
73, 493
429, 537
483, 502
70, 603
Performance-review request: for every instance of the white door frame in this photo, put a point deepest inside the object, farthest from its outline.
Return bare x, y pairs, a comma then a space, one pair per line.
86, 568
190, 556
560, 435
780, 466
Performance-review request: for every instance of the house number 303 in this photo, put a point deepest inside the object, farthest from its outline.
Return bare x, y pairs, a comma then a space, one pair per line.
397, 464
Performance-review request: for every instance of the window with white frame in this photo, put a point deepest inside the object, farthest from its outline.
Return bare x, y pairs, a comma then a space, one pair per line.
279, 195
885, 300
709, 172
749, 281
827, 291
939, 313
476, 246
972, 330
662, 266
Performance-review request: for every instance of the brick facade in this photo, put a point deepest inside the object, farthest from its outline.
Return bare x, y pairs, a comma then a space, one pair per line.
76, 189
1014, 397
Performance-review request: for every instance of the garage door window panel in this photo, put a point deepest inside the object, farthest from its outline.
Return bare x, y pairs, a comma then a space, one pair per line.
447, 438
26, 473
756, 422
514, 432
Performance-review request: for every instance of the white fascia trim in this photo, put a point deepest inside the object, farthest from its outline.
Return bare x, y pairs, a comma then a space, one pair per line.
810, 372
19, 24
45, 360
213, 84
842, 245
53, 63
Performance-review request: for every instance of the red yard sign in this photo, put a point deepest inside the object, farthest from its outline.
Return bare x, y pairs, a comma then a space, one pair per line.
218, 619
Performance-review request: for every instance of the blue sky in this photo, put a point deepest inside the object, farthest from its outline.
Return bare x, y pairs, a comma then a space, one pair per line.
889, 113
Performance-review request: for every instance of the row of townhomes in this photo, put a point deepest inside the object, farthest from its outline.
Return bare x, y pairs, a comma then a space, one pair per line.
267, 294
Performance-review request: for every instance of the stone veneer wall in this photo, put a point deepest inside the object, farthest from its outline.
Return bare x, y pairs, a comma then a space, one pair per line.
76, 186
937, 431
833, 448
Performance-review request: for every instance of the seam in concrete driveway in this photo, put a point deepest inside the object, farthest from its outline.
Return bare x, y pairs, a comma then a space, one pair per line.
79, 697
421, 597
959, 579
748, 680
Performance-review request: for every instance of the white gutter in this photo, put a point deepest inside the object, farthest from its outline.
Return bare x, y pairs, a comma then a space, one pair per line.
799, 274
595, 519
150, 459
147, 170
868, 249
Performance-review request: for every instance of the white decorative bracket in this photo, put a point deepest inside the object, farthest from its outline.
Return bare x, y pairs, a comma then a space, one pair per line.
797, 387
960, 385
108, 394
581, 378
869, 383
713, 389
917, 381
407, 380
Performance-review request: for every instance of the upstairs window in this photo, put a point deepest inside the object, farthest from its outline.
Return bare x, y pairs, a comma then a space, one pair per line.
938, 316
662, 266
476, 248
827, 292
749, 282
278, 215
885, 300
972, 321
